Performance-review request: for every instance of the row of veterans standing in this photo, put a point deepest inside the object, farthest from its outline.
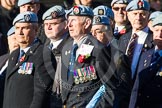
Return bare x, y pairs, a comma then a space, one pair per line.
83, 58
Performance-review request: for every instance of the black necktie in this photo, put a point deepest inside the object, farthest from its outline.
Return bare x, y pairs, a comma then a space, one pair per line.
132, 46
50, 46
72, 59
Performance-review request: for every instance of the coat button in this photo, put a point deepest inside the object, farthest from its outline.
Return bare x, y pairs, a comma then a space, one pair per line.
148, 96
159, 85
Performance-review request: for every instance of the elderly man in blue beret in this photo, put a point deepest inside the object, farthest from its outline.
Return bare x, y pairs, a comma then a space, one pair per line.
101, 29
139, 39
148, 85
78, 58
122, 24
24, 86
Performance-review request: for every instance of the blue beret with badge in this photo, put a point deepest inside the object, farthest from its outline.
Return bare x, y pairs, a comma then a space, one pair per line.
119, 2
103, 10
157, 21
80, 10
11, 31
23, 2
154, 15
54, 12
138, 5
28, 17
101, 20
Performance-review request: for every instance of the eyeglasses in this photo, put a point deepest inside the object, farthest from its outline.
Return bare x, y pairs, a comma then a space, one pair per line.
117, 8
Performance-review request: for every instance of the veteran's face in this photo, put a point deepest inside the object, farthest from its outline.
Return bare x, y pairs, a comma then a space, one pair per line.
138, 19
76, 25
157, 36
30, 7
12, 43
25, 33
54, 28
120, 15
99, 32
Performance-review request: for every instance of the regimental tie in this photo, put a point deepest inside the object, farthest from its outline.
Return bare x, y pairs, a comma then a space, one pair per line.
72, 59
132, 46
22, 53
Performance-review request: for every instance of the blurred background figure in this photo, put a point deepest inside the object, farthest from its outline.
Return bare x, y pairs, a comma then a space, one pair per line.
8, 12
90, 3
12, 44
155, 5
104, 10
153, 15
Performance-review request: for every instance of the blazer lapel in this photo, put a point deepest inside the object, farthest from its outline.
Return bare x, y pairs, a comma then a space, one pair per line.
12, 64
47, 56
65, 59
124, 40
27, 55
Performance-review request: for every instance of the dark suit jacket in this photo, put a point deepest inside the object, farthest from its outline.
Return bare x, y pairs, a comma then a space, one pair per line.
3, 60
115, 69
55, 100
78, 95
148, 82
26, 90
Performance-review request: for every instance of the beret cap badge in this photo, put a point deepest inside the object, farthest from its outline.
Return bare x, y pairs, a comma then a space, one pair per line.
54, 14
97, 19
27, 17
100, 12
76, 10
140, 4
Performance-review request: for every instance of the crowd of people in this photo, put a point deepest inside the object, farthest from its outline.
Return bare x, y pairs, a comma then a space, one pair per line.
83, 54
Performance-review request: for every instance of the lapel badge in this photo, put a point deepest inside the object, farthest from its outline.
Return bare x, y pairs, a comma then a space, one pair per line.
145, 45
27, 17
159, 73
145, 64
31, 52
97, 19
100, 12
76, 10
140, 4
67, 52
145, 61
54, 14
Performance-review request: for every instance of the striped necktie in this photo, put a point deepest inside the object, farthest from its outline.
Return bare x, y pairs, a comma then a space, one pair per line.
132, 46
